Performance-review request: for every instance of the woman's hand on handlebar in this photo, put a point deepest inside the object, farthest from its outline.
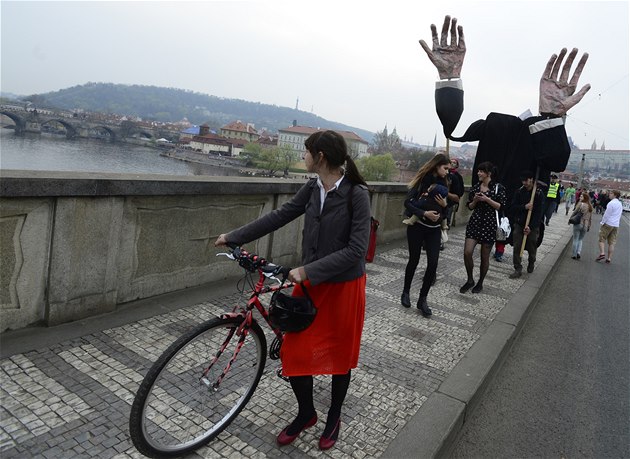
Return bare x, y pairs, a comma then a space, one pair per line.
221, 240
297, 275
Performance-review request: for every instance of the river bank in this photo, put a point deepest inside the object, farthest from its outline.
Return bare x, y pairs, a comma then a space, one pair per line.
229, 163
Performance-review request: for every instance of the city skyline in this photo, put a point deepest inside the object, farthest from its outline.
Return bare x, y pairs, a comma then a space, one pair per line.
359, 64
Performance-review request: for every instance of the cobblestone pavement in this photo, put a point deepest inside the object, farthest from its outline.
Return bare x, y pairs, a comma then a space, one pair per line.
72, 399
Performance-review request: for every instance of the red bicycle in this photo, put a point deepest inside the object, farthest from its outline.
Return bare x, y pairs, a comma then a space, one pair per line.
198, 386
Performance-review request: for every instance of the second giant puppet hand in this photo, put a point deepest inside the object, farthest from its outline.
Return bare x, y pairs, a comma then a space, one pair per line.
511, 143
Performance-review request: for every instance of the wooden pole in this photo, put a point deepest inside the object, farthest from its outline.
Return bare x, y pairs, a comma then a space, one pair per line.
529, 212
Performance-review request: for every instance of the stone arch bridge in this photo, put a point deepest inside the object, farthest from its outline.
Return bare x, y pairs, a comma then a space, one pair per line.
32, 120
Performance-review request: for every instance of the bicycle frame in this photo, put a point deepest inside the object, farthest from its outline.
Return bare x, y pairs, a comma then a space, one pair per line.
242, 330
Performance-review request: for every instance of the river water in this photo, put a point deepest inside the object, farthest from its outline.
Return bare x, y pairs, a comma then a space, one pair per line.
49, 152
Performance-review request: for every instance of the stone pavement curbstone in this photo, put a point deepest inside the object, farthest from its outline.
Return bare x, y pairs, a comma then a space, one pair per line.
429, 429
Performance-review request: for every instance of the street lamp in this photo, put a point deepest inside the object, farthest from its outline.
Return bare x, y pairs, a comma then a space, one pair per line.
581, 183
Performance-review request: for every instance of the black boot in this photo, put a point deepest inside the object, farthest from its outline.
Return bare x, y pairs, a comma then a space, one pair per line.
424, 307
404, 299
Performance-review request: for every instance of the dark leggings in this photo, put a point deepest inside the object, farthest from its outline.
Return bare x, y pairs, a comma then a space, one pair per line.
303, 389
469, 249
417, 235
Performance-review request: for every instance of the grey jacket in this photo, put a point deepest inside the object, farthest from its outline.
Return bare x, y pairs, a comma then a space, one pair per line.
334, 241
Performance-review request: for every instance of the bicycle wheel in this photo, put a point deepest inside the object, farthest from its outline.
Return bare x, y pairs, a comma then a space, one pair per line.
177, 408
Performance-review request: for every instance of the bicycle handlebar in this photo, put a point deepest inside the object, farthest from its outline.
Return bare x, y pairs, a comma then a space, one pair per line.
252, 262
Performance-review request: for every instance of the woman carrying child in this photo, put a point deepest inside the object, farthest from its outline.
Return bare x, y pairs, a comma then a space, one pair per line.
427, 230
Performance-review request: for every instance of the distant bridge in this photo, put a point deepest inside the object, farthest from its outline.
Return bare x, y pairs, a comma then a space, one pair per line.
76, 125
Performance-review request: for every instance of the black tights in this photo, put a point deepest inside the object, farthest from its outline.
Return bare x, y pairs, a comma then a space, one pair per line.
303, 388
417, 236
469, 248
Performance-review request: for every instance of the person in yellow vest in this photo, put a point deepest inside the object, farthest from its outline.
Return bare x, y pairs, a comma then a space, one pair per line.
551, 201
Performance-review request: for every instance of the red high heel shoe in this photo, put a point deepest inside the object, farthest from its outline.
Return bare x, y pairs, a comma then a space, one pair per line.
284, 438
329, 442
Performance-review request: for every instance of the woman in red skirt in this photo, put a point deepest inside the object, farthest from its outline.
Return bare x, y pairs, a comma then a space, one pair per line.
336, 209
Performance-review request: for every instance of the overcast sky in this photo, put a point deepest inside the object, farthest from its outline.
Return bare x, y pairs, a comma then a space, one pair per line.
354, 62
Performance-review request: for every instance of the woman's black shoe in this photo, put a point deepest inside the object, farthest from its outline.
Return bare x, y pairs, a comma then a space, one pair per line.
424, 307
466, 286
404, 299
477, 288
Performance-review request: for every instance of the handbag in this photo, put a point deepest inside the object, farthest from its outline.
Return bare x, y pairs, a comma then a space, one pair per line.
371, 250
503, 224
374, 224
576, 218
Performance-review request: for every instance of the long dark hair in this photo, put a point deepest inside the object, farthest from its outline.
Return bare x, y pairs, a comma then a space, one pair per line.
430, 167
335, 150
489, 168
587, 200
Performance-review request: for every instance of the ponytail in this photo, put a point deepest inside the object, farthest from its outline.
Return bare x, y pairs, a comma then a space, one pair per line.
352, 172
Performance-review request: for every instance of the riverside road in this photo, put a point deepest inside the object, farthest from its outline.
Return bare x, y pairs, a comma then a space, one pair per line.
66, 390
564, 390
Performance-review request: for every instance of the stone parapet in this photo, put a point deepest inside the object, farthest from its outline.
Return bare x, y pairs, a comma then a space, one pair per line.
75, 245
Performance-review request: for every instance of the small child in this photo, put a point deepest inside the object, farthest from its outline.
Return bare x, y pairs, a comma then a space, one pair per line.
427, 201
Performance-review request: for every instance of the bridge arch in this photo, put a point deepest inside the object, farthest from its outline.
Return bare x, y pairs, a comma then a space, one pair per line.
20, 123
71, 131
143, 134
110, 131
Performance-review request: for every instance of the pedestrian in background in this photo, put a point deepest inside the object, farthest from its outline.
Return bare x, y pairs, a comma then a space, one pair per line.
519, 209
610, 226
484, 199
426, 231
499, 250
551, 201
336, 209
585, 208
569, 198
455, 192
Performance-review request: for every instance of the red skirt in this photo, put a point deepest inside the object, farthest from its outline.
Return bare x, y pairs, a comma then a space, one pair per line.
330, 346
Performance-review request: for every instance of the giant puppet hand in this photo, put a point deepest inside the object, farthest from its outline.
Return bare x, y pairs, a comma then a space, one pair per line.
557, 95
448, 59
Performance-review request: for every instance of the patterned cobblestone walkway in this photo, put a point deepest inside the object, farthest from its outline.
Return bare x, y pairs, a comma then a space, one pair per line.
72, 399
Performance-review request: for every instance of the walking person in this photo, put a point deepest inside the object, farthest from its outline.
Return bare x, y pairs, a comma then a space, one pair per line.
426, 231
336, 209
484, 199
610, 226
519, 208
551, 201
455, 191
569, 198
585, 208
499, 250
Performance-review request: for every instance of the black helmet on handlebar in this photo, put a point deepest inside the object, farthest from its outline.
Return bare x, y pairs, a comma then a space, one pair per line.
291, 313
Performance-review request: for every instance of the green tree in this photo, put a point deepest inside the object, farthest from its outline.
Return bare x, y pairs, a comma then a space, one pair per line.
418, 158
377, 168
272, 159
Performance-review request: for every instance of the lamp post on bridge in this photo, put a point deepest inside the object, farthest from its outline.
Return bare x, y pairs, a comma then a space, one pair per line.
581, 183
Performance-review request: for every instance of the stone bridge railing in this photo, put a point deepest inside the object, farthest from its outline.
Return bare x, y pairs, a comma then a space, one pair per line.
74, 245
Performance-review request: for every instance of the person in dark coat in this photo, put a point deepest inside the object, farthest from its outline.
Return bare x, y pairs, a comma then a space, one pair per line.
518, 210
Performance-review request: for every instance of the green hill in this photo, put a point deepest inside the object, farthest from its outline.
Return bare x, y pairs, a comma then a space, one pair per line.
170, 104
